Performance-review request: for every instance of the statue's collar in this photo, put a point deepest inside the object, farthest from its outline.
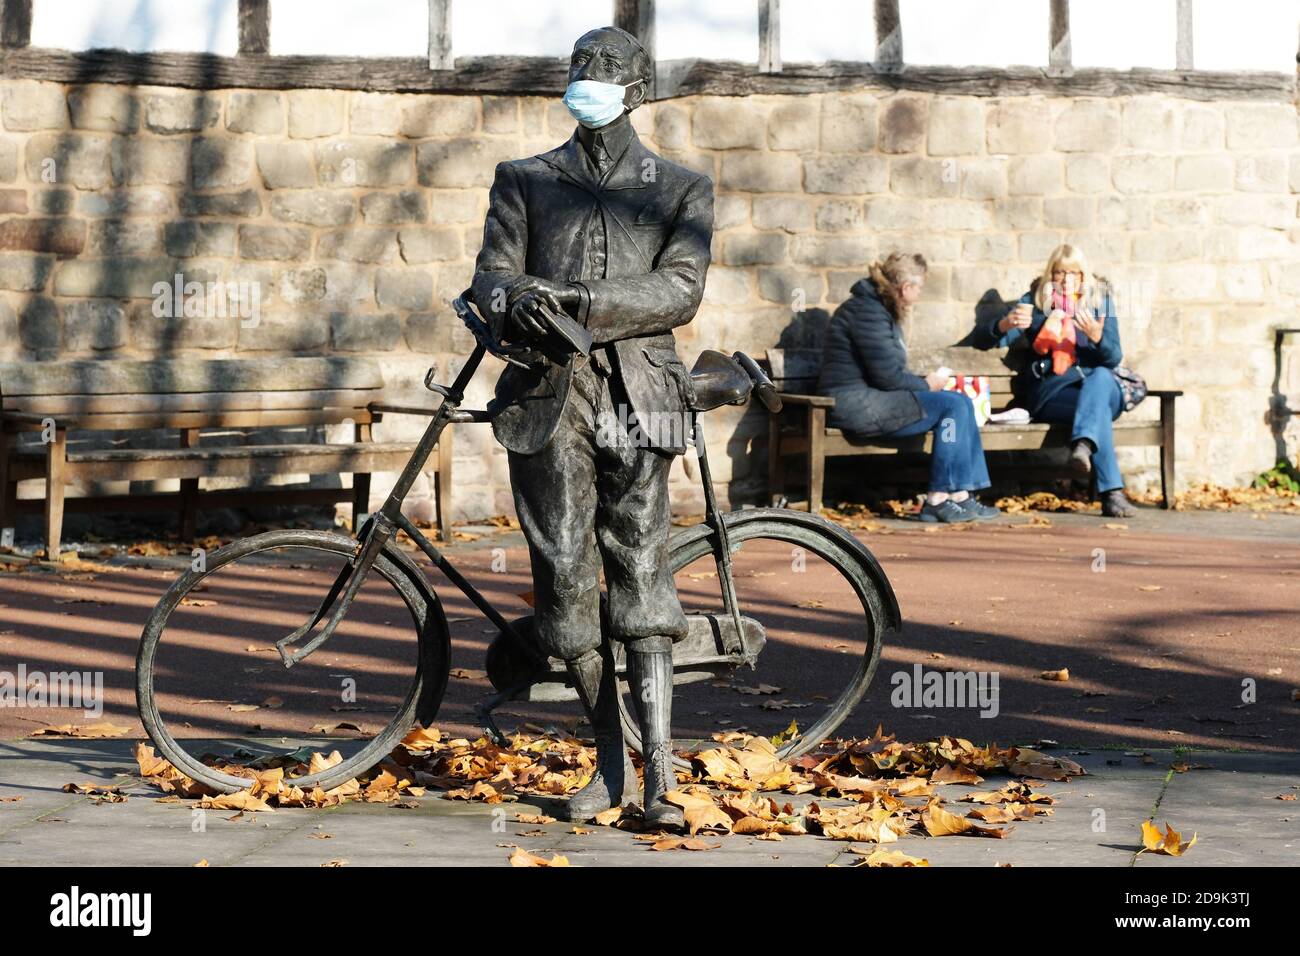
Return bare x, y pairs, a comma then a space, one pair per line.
621, 142
614, 138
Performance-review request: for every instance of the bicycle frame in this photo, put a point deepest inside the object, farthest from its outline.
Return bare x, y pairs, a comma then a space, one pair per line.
381, 526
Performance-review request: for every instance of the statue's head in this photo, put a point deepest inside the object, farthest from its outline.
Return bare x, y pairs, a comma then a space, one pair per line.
608, 75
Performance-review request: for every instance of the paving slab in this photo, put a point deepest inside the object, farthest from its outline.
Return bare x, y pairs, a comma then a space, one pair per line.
1097, 821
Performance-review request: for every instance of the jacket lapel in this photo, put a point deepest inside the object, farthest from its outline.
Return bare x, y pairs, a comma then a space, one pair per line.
570, 162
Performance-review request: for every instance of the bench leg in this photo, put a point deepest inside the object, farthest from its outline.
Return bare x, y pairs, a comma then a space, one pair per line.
189, 490
1168, 489
8, 500
775, 466
56, 476
360, 500
442, 485
816, 457
361, 483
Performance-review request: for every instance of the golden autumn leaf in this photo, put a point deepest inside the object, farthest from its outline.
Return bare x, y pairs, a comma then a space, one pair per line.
864, 832
683, 843
951, 773
891, 858
1059, 675
1170, 843
421, 739
99, 729
150, 764
536, 819
239, 800
700, 811
522, 857
939, 822
319, 763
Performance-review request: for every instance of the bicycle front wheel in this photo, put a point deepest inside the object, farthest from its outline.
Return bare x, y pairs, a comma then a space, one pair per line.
209, 681
826, 607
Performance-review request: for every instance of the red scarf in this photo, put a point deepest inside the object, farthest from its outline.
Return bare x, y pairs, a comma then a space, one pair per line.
1057, 336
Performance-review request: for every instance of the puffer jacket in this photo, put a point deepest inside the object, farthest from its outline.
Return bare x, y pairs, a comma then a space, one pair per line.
864, 367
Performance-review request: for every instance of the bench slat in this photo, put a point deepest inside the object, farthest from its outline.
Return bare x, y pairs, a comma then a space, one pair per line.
171, 376
241, 461
55, 405
248, 419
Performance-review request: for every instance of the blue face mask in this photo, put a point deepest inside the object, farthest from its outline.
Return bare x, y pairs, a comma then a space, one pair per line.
595, 104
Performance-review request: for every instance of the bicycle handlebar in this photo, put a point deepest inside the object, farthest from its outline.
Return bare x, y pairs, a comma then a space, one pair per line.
763, 387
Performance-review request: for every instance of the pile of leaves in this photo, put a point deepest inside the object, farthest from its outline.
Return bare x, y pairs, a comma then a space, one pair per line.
1216, 498
884, 789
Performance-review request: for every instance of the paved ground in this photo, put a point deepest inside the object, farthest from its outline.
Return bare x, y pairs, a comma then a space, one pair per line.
1231, 805
1178, 631
1159, 621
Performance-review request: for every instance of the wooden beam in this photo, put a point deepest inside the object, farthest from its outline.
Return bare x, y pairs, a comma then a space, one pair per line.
889, 36
440, 57
1060, 61
547, 76
723, 78
16, 23
254, 26
769, 36
1183, 56
637, 17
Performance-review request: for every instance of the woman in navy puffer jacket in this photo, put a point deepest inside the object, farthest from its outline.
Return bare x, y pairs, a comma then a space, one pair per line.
865, 370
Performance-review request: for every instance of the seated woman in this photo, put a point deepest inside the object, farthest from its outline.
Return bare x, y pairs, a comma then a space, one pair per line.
1068, 318
865, 371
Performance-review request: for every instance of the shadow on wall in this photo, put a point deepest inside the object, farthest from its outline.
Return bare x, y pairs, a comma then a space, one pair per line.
125, 197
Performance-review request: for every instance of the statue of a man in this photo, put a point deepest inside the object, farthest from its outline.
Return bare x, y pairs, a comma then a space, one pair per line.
617, 238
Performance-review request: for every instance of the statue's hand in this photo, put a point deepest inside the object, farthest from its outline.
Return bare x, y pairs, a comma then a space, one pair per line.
531, 298
527, 318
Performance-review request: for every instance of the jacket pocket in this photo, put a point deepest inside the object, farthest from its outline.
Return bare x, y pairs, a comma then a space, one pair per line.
660, 356
674, 369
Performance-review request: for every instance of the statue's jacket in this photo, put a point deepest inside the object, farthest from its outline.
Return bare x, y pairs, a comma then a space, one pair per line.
656, 220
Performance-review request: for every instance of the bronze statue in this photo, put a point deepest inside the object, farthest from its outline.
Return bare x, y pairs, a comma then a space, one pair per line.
603, 232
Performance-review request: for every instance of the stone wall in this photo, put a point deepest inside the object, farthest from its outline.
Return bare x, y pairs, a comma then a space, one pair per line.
358, 216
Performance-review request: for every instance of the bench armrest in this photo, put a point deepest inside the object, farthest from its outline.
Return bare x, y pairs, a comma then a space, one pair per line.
404, 408
817, 401
32, 421
1165, 392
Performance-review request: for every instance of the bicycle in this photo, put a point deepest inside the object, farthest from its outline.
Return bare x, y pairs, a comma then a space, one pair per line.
717, 646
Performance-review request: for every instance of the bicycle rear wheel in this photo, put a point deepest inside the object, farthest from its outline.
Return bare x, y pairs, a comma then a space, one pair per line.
826, 607
206, 666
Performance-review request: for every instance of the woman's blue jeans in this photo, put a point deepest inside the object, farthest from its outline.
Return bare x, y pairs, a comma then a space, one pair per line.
957, 461
1089, 407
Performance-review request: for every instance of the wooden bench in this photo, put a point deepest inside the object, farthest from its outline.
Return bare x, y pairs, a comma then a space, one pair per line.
64, 401
800, 431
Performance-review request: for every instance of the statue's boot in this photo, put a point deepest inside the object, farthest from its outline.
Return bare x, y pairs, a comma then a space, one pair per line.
650, 680
615, 778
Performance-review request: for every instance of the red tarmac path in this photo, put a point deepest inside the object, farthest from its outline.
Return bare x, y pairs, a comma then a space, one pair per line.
1157, 645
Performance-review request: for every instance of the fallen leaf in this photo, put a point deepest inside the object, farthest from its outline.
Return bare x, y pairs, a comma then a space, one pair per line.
522, 857
1168, 844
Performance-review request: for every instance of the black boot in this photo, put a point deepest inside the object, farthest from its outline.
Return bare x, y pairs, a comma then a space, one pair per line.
1115, 504
1081, 458
615, 778
650, 680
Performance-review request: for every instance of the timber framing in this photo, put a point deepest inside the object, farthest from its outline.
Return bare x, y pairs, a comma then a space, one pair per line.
442, 72
547, 76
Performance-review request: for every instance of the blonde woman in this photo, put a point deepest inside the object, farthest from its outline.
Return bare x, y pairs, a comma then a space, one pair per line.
1068, 319
865, 370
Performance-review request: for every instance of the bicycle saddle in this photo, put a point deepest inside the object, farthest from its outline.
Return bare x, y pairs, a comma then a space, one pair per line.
719, 380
